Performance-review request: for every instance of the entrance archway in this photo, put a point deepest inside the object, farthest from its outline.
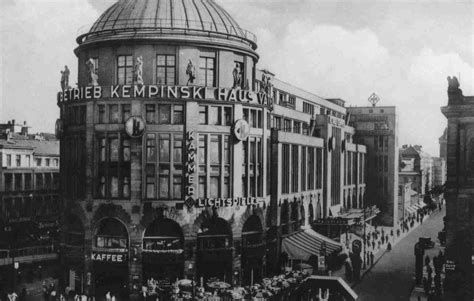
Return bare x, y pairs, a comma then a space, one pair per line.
253, 250
214, 250
110, 256
163, 251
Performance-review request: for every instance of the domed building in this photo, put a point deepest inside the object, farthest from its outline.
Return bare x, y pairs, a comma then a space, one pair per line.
179, 159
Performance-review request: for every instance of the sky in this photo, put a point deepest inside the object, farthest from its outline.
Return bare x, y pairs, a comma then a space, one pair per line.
401, 50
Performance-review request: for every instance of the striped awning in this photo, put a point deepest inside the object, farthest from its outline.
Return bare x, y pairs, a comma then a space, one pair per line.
303, 244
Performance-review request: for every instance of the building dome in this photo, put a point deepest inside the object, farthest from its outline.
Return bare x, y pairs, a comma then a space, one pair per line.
165, 19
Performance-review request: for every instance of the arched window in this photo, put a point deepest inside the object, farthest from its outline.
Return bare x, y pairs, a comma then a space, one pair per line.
162, 236
111, 233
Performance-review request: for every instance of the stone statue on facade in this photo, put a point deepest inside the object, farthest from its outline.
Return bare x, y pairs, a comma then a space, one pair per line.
454, 93
65, 78
191, 73
139, 71
237, 74
93, 77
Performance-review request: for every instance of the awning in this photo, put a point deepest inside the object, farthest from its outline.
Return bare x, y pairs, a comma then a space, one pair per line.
333, 284
303, 244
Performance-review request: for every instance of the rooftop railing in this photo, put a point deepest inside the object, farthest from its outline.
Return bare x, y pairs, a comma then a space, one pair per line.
163, 27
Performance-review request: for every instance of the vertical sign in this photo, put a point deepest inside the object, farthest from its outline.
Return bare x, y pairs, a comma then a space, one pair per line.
190, 168
72, 280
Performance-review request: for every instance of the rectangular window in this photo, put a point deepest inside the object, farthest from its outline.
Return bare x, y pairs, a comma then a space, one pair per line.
287, 125
296, 127
28, 160
319, 168
303, 168
101, 113
285, 168
165, 70
125, 70
311, 168
308, 108
206, 71
114, 114
18, 160
294, 170
202, 114
277, 121
126, 112
9, 160
178, 114
164, 114
150, 113
214, 115
228, 116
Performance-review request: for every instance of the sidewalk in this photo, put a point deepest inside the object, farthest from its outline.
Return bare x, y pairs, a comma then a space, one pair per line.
379, 252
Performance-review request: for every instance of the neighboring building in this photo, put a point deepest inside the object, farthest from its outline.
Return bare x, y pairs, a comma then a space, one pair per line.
419, 165
377, 128
439, 171
181, 159
459, 195
443, 145
404, 199
29, 204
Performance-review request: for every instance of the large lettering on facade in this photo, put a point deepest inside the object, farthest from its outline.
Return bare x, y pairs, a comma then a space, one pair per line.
164, 92
191, 151
109, 257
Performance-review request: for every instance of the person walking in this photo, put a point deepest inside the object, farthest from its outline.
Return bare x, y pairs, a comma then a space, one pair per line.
371, 258
389, 247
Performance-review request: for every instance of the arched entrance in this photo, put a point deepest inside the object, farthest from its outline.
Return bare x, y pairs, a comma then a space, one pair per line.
110, 257
214, 250
253, 250
163, 251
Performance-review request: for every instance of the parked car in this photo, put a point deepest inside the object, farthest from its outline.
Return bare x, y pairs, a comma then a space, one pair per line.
426, 242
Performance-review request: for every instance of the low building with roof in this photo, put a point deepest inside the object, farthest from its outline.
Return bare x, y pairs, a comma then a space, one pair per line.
29, 202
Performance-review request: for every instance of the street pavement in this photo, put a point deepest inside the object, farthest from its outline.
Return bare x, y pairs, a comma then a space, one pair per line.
392, 277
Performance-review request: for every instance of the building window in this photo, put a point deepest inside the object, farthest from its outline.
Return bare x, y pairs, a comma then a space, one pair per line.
8, 182
28, 160
114, 166
319, 168
253, 117
202, 114
296, 127
101, 113
114, 116
126, 112
48, 162
311, 167
215, 115
9, 160
18, 160
125, 70
294, 168
38, 162
285, 175
282, 98
277, 121
287, 125
253, 166
164, 167
206, 71
308, 108
214, 166
165, 69
269, 165
303, 168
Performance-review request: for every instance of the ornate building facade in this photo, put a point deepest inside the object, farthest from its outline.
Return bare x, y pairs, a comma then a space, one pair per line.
181, 159
459, 220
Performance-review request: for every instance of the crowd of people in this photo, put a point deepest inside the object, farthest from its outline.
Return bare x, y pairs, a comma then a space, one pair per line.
436, 266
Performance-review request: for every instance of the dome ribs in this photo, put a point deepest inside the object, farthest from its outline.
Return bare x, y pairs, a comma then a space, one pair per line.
211, 3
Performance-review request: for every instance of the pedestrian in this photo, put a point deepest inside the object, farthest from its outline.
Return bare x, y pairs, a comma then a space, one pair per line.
373, 245
382, 238
371, 258
113, 297
108, 296
391, 232
386, 238
389, 247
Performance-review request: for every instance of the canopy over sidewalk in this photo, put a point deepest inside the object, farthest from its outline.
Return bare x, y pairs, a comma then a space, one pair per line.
303, 244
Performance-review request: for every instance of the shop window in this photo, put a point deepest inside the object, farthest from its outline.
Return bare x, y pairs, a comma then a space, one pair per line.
112, 234
114, 166
165, 69
125, 70
206, 71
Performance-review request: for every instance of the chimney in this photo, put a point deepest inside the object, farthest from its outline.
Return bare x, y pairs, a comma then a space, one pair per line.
13, 121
